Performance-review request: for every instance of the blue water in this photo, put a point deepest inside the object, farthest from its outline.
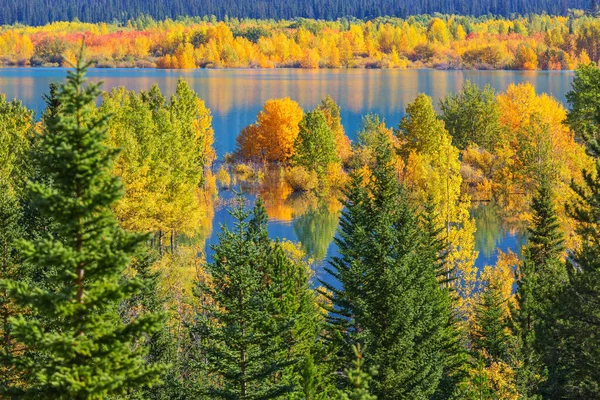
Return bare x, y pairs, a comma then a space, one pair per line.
236, 96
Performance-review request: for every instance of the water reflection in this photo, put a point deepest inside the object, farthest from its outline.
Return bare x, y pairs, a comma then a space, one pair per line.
301, 217
495, 231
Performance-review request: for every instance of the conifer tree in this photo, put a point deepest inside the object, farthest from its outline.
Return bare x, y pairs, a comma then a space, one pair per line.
389, 297
358, 379
262, 319
493, 377
573, 370
80, 347
575, 365
584, 116
540, 279
10, 231
457, 358
490, 336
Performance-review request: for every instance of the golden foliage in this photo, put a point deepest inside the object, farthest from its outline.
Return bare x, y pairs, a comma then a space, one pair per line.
273, 135
535, 42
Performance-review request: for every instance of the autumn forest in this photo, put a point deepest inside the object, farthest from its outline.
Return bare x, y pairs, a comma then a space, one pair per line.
443, 42
110, 288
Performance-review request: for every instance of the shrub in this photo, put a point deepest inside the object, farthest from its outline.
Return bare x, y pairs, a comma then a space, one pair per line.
301, 180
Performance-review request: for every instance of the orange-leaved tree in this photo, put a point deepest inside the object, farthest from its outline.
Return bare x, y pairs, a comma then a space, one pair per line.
273, 135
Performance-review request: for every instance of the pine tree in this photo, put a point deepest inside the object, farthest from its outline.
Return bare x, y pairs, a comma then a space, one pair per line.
81, 348
262, 321
574, 368
540, 279
358, 379
389, 296
490, 336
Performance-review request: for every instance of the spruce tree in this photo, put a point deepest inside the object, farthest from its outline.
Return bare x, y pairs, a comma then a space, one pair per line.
540, 279
358, 379
80, 348
583, 99
261, 320
490, 336
10, 268
575, 365
456, 366
389, 297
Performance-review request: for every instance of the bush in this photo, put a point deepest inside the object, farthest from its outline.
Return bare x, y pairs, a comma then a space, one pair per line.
301, 180
223, 177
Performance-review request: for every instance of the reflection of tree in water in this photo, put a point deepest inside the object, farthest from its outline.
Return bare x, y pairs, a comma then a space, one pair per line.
314, 217
493, 229
316, 227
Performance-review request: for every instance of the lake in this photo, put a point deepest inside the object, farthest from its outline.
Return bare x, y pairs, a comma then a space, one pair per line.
236, 96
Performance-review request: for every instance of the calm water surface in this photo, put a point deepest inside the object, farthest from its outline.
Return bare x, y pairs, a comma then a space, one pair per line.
236, 96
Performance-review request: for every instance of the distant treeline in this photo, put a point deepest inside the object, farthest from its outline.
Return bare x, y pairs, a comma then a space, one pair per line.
39, 12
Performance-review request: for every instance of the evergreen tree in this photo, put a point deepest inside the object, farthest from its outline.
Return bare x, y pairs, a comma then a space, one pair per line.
80, 347
456, 367
594, 9
574, 367
315, 145
540, 279
358, 380
490, 336
493, 377
52, 103
140, 13
262, 318
389, 296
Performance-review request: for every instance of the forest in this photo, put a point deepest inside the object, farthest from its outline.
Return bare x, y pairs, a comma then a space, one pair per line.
537, 41
40, 12
106, 291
